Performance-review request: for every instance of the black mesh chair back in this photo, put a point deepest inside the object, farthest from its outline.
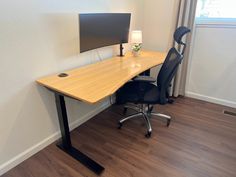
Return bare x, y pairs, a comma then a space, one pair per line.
178, 35
167, 72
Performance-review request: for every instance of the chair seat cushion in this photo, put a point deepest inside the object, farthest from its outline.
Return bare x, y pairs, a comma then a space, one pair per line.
138, 92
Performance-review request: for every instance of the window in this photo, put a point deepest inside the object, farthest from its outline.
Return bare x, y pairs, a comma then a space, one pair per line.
216, 11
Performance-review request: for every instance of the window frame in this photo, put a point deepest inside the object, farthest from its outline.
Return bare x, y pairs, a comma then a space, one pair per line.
215, 21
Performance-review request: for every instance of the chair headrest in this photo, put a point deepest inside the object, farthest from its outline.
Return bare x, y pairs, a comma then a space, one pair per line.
179, 33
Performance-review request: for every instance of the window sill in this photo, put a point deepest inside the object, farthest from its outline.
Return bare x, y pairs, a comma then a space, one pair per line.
216, 23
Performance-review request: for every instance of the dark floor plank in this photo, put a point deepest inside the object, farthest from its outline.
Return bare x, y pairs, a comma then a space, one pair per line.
200, 142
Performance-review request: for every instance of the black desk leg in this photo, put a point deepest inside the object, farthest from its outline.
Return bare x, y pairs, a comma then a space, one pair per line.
66, 145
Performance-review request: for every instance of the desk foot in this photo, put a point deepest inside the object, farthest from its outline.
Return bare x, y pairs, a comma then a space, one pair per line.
82, 158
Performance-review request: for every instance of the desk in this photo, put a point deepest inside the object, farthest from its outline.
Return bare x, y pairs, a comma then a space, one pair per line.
91, 84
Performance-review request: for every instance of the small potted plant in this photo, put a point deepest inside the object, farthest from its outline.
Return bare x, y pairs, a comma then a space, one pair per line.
135, 49
137, 41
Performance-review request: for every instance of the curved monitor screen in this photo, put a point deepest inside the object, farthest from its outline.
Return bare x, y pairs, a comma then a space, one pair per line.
100, 30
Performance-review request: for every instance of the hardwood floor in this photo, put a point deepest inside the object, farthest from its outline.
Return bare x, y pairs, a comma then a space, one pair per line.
200, 142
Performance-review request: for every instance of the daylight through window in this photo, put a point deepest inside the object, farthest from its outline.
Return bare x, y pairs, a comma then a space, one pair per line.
216, 9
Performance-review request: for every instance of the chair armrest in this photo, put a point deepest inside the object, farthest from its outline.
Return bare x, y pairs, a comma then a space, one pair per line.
144, 79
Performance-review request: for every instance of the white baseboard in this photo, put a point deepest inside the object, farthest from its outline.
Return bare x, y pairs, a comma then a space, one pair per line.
211, 99
47, 141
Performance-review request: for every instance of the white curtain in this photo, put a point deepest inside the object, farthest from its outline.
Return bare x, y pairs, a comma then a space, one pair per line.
185, 17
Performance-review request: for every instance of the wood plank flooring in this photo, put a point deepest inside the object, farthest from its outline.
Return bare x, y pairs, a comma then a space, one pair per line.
200, 142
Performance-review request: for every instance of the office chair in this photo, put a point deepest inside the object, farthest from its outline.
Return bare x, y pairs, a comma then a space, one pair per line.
179, 33
143, 94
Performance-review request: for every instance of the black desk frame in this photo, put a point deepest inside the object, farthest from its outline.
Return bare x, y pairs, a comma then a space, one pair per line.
65, 144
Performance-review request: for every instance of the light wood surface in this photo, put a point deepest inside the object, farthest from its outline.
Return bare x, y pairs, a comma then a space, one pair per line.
94, 82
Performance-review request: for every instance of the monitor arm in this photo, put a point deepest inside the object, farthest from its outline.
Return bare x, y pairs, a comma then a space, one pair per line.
121, 50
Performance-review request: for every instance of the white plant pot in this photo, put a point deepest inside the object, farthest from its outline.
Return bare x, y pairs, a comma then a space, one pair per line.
135, 53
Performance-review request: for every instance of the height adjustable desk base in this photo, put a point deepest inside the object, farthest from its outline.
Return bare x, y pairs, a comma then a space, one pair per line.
65, 144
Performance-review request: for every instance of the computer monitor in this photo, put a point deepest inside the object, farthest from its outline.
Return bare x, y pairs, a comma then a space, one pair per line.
103, 29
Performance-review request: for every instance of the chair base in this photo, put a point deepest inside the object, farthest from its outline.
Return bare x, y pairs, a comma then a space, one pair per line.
144, 111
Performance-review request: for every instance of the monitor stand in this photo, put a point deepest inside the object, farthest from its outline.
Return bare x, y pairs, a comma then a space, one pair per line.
121, 50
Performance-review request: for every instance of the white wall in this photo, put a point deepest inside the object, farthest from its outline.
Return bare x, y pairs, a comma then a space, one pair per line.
158, 25
212, 68
38, 38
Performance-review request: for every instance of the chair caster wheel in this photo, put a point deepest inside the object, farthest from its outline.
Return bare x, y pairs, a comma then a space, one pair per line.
120, 125
168, 123
125, 111
148, 135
